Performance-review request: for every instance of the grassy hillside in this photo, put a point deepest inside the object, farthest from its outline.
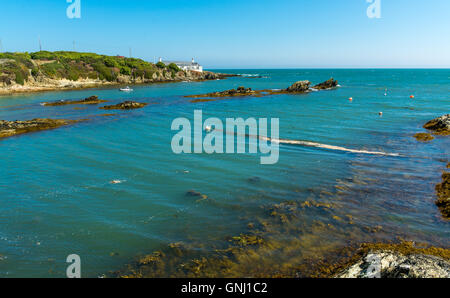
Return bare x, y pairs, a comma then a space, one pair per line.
18, 67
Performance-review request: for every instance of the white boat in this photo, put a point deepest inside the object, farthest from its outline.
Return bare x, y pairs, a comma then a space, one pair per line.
127, 89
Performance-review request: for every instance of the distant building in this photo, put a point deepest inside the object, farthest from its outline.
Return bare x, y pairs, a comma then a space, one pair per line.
194, 66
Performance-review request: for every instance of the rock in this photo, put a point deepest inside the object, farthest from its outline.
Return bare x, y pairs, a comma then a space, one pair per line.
331, 83
87, 101
439, 126
127, 105
391, 264
12, 128
240, 91
299, 87
193, 193
443, 193
196, 194
423, 137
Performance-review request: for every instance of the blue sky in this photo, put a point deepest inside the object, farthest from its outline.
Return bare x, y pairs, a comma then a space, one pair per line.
239, 34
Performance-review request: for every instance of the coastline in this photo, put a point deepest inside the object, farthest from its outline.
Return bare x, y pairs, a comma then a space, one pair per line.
84, 84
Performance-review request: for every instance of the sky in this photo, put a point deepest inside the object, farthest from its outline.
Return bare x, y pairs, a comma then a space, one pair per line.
239, 34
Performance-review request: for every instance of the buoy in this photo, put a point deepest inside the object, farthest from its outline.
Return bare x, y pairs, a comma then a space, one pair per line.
380, 113
115, 182
351, 99
412, 96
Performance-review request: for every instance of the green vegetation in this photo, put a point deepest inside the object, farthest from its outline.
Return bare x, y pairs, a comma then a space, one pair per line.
160, 65
19, 67
174, 67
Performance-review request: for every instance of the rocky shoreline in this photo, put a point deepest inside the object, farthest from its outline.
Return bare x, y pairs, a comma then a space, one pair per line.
439, 127
43, 84
443, 194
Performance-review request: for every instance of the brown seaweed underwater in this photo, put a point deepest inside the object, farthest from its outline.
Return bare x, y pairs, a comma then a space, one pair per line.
278, 242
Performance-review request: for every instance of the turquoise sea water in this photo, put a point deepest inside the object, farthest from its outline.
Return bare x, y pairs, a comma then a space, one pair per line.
56, 198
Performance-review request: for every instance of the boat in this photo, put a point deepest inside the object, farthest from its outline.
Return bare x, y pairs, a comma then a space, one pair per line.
126, 89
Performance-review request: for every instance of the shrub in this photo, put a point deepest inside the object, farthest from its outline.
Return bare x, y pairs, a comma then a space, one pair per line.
20, 79
174, 67
160, 65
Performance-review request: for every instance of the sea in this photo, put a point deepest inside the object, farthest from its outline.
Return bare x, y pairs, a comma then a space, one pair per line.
111, 189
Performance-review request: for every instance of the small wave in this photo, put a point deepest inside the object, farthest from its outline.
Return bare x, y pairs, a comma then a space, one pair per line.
329, 147
117, 181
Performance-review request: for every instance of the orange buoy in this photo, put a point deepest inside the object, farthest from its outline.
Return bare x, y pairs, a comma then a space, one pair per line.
351, 99
412, 96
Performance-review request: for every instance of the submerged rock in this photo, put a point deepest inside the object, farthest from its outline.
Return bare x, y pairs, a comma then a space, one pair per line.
299, 87
439, 126
127, 105
443, 193
423, 137
331, 83
87, 101
12, 128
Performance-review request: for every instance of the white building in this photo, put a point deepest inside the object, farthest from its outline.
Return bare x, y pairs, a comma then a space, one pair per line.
194, 66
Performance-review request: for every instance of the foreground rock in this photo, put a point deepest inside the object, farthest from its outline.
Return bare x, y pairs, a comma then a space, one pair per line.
12, 128
92, 100
399, 261
439, 126
330, 84
127, 105
443, 193
394, 265
299, 87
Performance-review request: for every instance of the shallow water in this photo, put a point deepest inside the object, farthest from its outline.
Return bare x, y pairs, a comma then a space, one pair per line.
56, 197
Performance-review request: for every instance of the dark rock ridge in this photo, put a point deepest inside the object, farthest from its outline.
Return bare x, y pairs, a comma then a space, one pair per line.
12, 128
127, 105
439, 126
240, 91
331, 83
443, 193
297, 87
87, 101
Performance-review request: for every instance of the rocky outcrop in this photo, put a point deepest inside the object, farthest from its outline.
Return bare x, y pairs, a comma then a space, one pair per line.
391, 264
12, 128
330, 84
299, 87
127, 105
443, 193
439, 126
87, 101
296, 88
240, 91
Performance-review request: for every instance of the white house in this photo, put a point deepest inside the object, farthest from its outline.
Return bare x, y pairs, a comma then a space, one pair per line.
185, 65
